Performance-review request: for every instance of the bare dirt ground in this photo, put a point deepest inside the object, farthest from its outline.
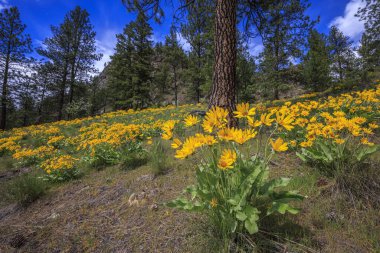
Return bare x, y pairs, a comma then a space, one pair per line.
105, 211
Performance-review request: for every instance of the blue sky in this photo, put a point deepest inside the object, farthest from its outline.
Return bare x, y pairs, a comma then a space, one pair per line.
109, 17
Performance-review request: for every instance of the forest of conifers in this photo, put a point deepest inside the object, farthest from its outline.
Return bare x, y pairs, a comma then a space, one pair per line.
62, 82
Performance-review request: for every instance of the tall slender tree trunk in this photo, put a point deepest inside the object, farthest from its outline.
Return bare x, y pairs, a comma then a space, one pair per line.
175, 87
72, 82
224, 76
340, 71
71, 89
3, 122
198, 82
62, 92
39, 117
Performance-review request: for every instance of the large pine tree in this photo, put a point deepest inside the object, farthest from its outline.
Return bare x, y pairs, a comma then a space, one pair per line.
317, 62
131, 66
198, 30
72, 50
175, 58
341, 54
14, 45
284, 31
370, 43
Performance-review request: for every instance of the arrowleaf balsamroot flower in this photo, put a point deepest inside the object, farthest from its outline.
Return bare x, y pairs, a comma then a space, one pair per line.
216, 117
213, 202
191, 120
285, 121
227, 159
243, 111
265, 119
176, 143
279, 145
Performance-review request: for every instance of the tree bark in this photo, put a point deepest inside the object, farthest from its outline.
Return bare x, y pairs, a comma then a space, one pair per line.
62, 92
3, 122
224, 76
175, 87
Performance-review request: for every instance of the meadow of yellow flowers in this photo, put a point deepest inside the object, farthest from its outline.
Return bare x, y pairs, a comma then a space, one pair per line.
233, 183
232, 178
340, 121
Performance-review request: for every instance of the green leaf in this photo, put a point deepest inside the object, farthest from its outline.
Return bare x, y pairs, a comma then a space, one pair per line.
282, 208
326, 151
278, 182
365, 152
301, 156
234, 201
233, 226
251, 226
241, 216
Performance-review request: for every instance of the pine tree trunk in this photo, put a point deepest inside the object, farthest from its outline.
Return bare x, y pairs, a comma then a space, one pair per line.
175, 88
71, 89
224, 76
62, 92
4, 93
198, 81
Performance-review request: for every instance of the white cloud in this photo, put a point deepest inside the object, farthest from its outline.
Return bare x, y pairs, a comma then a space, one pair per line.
348, 23
106, 46
4, 4
255, 47
183, 43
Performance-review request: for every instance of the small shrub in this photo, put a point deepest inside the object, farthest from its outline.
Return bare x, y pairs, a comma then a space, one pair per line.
333, 158
104, 155
60, 168
26, 189
158, 159
134, 156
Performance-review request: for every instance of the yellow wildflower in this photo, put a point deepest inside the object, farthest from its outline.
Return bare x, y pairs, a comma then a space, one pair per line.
227, 159
243, 111
365, 141
176, 143
279, 145
191, 120
213, 202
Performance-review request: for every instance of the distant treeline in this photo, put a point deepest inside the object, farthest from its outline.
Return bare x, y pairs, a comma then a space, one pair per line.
64, 84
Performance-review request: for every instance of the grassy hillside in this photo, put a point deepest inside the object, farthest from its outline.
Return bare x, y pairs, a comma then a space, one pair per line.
102, 184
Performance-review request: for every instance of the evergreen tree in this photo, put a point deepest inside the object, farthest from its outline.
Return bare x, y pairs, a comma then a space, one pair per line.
284, 30
198, 32
142, 69
370, 14
131, 67
245, 73
45, 77
317, 63
14, 45
366, 58
341, 54
121, 70
160, 74
175, 58
72, 50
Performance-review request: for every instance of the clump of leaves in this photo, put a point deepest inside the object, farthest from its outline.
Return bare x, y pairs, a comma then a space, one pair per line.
104, 155
134, 156
333, 158
349, 165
